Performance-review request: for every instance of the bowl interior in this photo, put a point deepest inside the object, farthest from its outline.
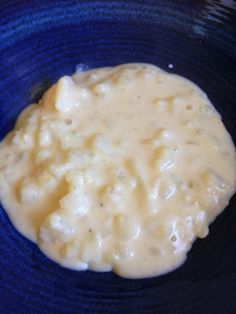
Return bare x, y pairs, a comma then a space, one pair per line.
41, 42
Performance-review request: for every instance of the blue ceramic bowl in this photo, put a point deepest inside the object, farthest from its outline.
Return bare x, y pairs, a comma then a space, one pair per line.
43, 40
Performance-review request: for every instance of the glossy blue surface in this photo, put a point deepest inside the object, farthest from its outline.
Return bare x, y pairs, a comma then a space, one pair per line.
42, 40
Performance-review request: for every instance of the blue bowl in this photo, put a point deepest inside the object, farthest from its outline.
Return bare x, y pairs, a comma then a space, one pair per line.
43, 40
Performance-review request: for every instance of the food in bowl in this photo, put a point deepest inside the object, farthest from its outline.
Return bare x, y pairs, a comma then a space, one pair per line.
118, 168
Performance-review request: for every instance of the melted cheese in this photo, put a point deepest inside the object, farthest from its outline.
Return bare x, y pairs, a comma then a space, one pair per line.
118, 169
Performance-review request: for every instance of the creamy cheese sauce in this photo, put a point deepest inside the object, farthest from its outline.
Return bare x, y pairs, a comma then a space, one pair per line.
118, 169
